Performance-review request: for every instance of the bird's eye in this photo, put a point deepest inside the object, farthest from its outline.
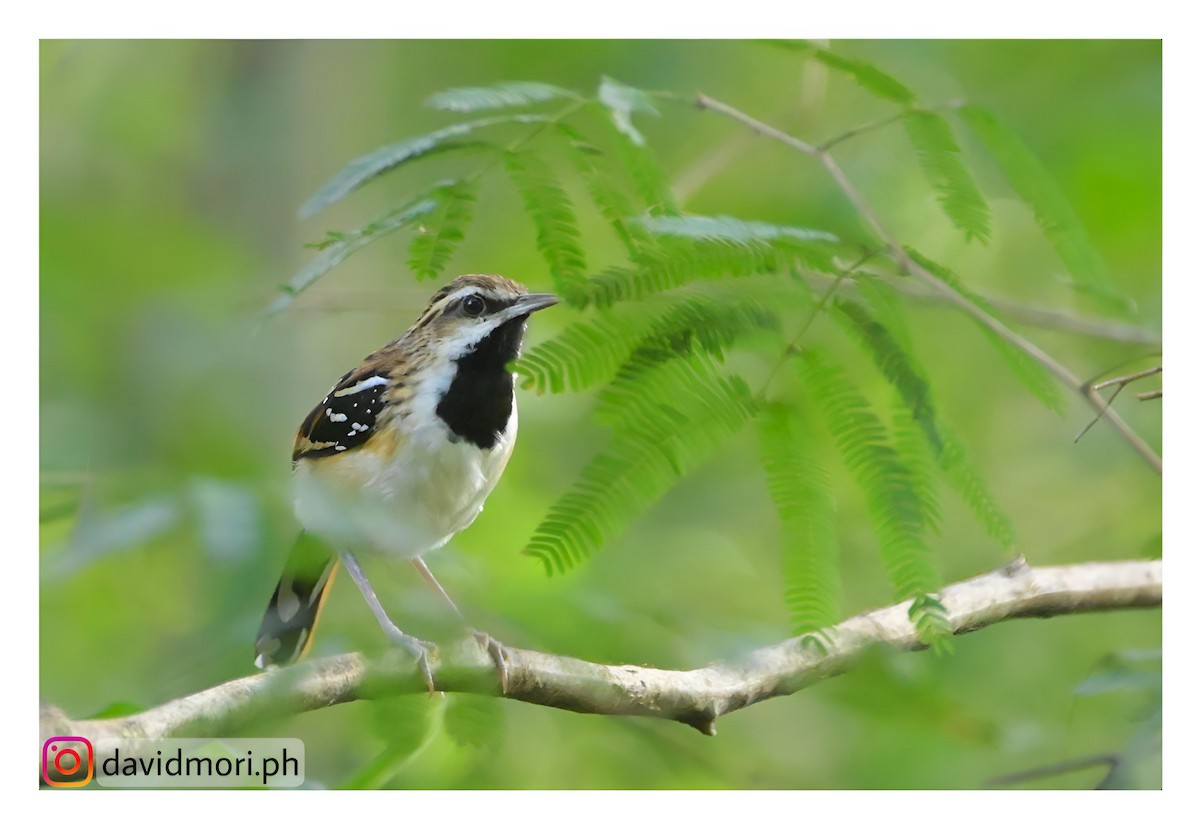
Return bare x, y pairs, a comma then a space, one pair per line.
473, 305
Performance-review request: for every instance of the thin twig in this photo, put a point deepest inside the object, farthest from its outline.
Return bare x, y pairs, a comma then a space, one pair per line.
1120, 382
1108, 760
1046, 318
906, 264
790, 348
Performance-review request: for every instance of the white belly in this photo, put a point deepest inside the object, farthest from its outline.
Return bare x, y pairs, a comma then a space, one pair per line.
402, 502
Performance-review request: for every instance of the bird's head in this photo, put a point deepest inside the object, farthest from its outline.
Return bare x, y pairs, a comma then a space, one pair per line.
479, 314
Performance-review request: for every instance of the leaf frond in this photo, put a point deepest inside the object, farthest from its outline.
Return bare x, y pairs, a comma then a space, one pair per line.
690, 320
368, 167
622, 101
732, 230
442, 230
943, 164
497, 96
341, 246
898, 515
1025, 368
800, 488
605, 188
677, 260
893, 362
869, 77
1035, 185
549, 208
667, 420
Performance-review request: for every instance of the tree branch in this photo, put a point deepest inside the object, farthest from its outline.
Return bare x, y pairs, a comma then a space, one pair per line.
906, 264
694, 697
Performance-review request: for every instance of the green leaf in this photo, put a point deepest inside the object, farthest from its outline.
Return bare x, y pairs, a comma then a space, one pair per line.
603, 186
498, 96
370, 166
334, 254
942, 161
729, 250
1027, 369
441, 232
919, 457
549, 207
666, 420
409, 722
118, 710
729, 229
950, 455
801, 490
893, 362
474, 721
1038, 189
928, 615
869, 77
969, 484
708, 320
622, 101
898, 515
638, 161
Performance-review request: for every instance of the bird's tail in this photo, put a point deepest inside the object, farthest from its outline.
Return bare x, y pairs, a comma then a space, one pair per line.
287, 627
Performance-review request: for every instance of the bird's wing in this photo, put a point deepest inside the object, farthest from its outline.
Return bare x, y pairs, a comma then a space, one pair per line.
346, 418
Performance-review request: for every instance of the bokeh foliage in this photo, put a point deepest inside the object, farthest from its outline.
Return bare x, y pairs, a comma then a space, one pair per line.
169, 175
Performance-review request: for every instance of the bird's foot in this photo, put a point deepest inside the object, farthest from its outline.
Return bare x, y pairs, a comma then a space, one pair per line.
420, 651
499, 654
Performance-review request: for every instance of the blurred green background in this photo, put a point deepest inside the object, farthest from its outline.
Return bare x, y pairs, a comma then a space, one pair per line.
170, 177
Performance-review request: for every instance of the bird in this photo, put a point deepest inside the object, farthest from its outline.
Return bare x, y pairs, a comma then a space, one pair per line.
400, 456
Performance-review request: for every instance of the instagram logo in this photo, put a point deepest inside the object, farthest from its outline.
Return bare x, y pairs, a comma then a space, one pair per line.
64, 759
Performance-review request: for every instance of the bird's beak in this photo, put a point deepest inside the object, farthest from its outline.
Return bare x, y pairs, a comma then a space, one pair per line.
531, 302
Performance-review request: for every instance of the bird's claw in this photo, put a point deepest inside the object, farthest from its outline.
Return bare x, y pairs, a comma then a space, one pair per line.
420, 651
499, 654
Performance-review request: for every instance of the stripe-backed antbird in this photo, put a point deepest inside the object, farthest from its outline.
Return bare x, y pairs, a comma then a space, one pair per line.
400, 456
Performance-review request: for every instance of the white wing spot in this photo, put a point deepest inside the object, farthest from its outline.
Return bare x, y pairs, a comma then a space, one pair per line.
335, 417
288, 604
369, 382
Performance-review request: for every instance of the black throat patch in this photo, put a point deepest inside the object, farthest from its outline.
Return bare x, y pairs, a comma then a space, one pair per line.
479, 402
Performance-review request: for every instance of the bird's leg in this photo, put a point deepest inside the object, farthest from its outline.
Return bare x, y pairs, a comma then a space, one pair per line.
418, 648
495, 648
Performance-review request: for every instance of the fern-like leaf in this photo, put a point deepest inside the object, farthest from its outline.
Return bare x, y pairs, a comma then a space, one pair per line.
942, 161
898, 514
1035, 185
622, 101
920, 458
1025, 368
649, 183
800, 487
952, 456
498, 96
442, 230
677, 260
970, 486
869, 77
732, 230
692, 320
368, 167
894, 363
549, 207
607, 193
666, 422
343, 245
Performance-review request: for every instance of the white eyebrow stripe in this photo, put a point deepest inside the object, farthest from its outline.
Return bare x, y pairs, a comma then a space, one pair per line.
362, 385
